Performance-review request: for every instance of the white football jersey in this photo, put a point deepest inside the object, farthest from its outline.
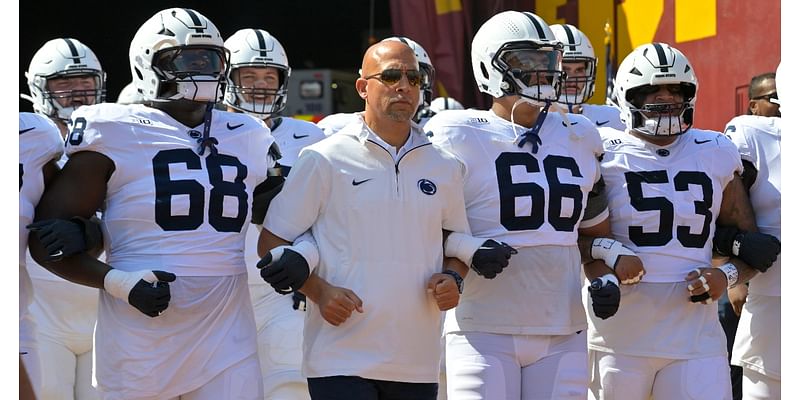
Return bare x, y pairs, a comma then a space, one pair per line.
603, 116
292, 135
533, 202
335, 122
759, 142
513, 195
39, 143
167, 207
664, 200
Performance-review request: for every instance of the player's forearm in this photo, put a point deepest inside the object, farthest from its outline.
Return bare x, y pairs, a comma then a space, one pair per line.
746, 272
81, 268
596, 269
313, 287
454, 264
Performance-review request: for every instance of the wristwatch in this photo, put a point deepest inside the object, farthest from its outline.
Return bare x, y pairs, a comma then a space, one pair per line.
458, 278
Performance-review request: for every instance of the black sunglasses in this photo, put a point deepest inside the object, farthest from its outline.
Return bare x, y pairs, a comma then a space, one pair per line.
773, 95
393, 75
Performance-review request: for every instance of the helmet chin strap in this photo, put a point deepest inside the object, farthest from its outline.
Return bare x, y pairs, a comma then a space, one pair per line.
207, 140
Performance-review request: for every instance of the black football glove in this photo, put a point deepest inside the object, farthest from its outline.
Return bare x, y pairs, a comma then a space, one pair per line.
605, 298
286, 274
147, 291
758, 250
490, 259
64, 238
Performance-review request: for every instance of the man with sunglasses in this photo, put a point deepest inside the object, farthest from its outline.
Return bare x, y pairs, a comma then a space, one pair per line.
675, 194
379, 200
335, 122
64, 75
175, 178
756, 309
533, 181
763, 96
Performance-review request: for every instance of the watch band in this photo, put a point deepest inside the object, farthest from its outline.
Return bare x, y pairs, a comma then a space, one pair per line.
458, 278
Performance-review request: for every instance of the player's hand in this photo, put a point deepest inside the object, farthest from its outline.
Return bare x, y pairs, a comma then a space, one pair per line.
706, 285
285, 269
758, 250
629, 270
738, 296
336, 304
490, 259
147, 291
64, 238
444, 289
605, 295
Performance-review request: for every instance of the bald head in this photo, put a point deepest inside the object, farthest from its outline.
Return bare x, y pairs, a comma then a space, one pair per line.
381, 52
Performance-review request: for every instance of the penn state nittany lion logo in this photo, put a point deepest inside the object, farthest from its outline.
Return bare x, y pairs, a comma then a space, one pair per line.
426, 186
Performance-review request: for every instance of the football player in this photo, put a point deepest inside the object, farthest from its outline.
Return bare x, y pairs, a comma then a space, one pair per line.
257, 86
176, 179
757, 347
530, 180
63, 76
40, 146
580, 68
335, 122
669, 185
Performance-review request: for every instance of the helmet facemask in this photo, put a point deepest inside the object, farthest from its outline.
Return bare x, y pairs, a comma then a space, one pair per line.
529, 70
53, 94
661, 119
260, 103
194, 73
584, 83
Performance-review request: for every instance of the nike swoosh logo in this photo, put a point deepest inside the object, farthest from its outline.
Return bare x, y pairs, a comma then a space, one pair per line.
26, 130
571, 123
232, 127
356, 183
702, 141
600, 123
298, 137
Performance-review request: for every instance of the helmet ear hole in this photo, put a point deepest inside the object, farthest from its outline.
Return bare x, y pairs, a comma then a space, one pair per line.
484, 71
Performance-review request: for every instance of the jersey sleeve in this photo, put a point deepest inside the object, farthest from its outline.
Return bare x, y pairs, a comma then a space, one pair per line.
295, 209
87, 133
739, 135
455, 217
729, 160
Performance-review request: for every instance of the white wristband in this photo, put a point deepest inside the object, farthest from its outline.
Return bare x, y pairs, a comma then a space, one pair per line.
609, 250
306, 249
309, 252
462, 246
609, 278
120, 283
731, 273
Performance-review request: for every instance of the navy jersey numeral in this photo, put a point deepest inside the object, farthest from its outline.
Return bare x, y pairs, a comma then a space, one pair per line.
666, 209
557, 191
167, 187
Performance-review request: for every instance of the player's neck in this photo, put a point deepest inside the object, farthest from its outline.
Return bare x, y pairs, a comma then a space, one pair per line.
525, 114
62, 127
189, 113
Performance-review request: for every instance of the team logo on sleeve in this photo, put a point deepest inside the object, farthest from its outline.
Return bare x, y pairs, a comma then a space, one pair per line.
427, 187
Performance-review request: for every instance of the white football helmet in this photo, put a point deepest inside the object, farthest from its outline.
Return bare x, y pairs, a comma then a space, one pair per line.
129, 95
645, 68
425, 66
516, 53
178, 54
63, 58
577, 48
256, 48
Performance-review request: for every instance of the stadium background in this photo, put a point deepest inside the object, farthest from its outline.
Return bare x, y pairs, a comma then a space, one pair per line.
727, 41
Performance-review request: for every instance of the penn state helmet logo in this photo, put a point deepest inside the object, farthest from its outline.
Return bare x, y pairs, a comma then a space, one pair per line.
426, 186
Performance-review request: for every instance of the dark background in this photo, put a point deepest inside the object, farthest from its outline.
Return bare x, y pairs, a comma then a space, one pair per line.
315, 33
